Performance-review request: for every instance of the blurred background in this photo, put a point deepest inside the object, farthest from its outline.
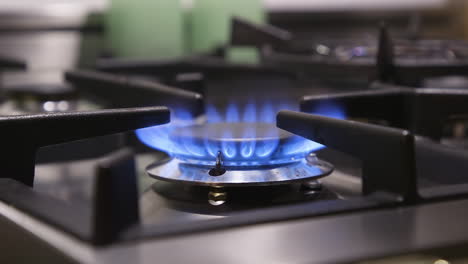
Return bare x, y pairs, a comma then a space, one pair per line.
53, 35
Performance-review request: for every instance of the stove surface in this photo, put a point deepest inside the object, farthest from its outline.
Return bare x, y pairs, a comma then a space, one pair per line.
339, 151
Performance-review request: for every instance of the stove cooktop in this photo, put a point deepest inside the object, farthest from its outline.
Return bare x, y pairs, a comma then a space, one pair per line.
248, 163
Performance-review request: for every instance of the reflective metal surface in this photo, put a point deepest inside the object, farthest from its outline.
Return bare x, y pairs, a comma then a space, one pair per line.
302, 241
177, 171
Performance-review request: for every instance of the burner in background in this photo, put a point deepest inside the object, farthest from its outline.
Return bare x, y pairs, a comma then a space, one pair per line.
400, 61
38, 99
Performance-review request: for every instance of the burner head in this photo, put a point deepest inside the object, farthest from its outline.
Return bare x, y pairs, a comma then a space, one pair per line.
349, 50
241, 144
175, 170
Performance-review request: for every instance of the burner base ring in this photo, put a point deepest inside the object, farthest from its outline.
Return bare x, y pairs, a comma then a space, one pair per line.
300, 171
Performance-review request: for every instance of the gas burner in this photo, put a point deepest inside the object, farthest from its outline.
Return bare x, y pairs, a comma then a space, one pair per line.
405, 51
238, 154
401, 61
345, 49
37, 98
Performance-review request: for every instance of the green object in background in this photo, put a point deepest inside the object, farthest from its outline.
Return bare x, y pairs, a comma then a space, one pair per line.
145, 28
211, 20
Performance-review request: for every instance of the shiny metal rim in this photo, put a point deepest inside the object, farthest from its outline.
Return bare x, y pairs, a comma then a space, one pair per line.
177, 171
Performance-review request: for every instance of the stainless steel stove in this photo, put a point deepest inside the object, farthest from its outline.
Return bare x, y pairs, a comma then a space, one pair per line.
311, 156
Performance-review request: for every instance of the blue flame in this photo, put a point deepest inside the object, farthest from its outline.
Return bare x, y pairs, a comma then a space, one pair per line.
213, 113
248, 146
157, 137
250, 113
232, 113
267, 113
329, 109
248, 151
